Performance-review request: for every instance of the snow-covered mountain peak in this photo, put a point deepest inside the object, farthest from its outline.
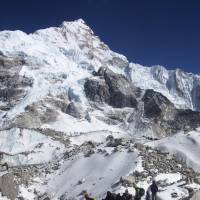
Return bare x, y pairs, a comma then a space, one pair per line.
77, 24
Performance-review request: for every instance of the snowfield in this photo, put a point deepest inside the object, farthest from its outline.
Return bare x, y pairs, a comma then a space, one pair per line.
98, 174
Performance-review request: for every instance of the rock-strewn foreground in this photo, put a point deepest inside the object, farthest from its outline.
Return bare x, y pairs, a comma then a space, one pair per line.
76, 116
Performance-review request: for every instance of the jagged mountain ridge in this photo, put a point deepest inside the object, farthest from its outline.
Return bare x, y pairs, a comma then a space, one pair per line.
63, 92
180, 87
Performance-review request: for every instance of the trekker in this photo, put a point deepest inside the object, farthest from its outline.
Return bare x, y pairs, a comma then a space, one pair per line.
139, 192
86, 196
148, 197
154, 190
126, 195
109, 196
118, 197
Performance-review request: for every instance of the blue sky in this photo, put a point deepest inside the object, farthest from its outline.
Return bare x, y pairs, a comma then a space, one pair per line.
149, 32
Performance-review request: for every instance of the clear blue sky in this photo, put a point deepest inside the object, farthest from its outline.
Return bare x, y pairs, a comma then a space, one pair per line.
149, 32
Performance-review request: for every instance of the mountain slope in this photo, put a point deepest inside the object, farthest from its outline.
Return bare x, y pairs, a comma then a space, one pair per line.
69, 104
178, 86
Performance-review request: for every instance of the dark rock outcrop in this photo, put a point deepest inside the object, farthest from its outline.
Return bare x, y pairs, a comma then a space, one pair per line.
156, 105
13, 86
111, 88
97, 90
74, 110
165, 117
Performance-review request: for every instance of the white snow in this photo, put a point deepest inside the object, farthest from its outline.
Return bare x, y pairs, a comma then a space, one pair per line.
166, 193
99, 174
39, 148
169, 178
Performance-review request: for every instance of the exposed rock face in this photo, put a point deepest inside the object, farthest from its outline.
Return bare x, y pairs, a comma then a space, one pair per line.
156, 105
13, 86
97, 90
165, 116
74, 110
35, 115
115, 142
187, 119
111, 88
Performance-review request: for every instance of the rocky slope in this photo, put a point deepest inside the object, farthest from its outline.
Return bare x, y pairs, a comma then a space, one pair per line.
67, 100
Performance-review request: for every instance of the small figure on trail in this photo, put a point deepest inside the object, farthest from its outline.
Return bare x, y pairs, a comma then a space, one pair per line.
154, 190
109, 196
126, 195
148, 195
119, 197
139, 192
86, 196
